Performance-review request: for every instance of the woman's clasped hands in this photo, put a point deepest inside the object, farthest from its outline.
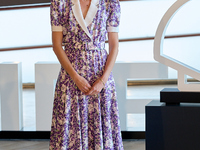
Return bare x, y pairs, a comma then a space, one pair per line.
86, 88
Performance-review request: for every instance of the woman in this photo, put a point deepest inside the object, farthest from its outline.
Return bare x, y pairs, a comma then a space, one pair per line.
85, 112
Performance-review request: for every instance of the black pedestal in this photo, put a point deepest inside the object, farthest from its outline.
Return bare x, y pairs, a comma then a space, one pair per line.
174, 96
172, 127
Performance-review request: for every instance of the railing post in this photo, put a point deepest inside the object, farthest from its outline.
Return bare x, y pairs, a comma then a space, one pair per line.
11, 96
45, 75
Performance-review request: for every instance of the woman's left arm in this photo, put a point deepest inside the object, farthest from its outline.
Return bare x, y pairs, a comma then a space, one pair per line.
113, 52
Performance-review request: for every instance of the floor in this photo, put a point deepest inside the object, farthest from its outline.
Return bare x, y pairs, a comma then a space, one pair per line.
44, 144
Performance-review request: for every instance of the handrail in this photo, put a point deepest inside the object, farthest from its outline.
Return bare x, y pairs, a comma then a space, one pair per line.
133, 82
24, 48
2, 8
120, 40
23, 7
166, 37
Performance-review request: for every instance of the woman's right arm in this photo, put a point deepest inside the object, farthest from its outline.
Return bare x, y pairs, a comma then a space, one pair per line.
81, 82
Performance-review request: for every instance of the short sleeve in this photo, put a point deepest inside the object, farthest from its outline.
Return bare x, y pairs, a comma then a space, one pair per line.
56, 15
114, 16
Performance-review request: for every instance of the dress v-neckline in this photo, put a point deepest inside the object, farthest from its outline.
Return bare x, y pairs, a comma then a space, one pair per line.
91, 13
82, 10
79, 3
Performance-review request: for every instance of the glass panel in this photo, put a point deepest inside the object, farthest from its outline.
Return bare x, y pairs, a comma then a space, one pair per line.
25, 27
185, 50
29, 114
141, 18
138, 51
185, 20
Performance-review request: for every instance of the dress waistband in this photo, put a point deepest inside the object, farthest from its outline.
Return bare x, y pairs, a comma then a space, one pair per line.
85, 46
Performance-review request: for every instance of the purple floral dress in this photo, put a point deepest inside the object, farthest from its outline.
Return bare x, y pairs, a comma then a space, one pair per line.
81, 122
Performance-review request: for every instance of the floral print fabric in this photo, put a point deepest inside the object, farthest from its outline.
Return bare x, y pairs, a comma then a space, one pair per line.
81, 122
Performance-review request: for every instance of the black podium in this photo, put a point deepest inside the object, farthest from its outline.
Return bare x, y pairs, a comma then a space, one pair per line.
173, 126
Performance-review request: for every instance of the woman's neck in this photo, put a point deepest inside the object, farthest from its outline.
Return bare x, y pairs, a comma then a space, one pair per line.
85, 4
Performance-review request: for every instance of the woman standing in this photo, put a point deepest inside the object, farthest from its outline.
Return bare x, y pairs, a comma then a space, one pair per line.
85, 112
